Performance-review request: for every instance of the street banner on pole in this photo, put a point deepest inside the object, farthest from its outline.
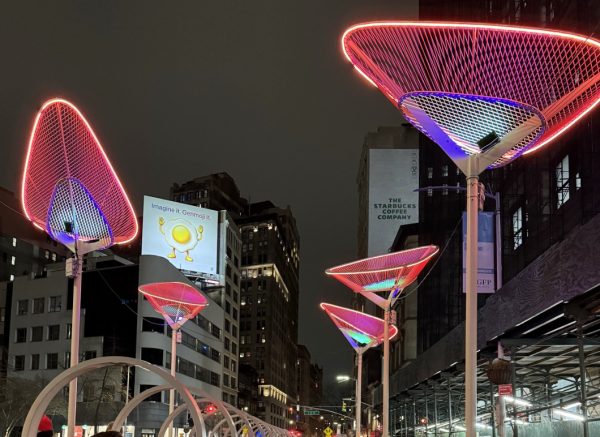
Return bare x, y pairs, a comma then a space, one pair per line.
486, 267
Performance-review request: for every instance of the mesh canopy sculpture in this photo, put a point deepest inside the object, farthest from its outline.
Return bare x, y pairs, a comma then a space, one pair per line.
362, 332
486, 94
70, 190
391, 272
177, 302
457, 83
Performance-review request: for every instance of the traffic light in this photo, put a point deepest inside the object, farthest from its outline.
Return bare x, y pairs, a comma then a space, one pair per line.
343, 406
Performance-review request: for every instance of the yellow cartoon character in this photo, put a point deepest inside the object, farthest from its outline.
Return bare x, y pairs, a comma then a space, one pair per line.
180, 235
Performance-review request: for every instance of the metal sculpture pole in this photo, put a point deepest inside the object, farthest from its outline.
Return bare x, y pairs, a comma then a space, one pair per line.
359, 359
75, 323
173, 373
471, 307
386, 369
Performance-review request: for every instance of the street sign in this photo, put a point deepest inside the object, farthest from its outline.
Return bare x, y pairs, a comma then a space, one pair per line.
505, 389
327, 432
312, 412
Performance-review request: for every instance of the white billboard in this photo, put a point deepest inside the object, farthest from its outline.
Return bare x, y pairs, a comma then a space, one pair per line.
393, 177
186, 235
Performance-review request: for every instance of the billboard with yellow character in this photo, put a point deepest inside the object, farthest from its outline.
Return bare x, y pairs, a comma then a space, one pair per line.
184, 234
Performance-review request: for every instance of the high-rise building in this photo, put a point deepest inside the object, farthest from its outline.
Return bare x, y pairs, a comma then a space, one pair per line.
269, 306
267, 269
310, 391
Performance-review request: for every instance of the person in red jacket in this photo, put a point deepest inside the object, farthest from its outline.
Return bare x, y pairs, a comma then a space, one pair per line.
45, 428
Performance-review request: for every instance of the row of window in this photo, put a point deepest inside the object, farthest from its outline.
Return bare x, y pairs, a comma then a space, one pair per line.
563, 194
38, 305
50, 361
37, 333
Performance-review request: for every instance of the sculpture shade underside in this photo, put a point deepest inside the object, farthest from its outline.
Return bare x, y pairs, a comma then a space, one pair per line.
175, 301
361, 330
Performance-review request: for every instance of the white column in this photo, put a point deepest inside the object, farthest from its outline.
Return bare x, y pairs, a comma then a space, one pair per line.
173, 371
75, 323
358, 396
471, 310
386, 371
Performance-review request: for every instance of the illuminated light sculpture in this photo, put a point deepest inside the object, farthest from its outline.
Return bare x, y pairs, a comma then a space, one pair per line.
392, 273
486, 94
362, 332
177, 302
70, 190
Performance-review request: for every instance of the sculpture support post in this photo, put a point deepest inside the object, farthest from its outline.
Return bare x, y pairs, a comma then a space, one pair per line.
386, 369
358, 393
471, 306
74, 359
173, 370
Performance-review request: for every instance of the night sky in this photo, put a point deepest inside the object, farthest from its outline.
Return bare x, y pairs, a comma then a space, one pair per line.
179, 89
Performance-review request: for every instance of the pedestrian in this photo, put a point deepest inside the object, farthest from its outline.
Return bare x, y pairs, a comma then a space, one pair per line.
45, 428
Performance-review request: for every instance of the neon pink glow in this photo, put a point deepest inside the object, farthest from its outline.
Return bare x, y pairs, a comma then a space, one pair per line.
555, 73
360, 329
63, 149
176, 301
384, 272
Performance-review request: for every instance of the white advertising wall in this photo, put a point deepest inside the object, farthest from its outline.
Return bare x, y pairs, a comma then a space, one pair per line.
186, 235
393, 177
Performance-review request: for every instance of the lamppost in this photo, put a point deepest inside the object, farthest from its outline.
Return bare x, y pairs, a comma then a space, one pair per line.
177, 302
70, 191
392, 273
486, 94
362, 332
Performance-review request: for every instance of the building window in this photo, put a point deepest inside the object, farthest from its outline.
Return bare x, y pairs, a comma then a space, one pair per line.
577, 181
517, 224
53, 256
225, 361
155, 356
227, 326
14, 242
46, 254
38, 305
89, 355
444, 170
53, 332
429, 172
562, 182
55, 304
69, 331
19, 363
52, 361
429, 192
22, 307
21, 335
37, 333
12, 278
13, 260
35, 362
227, 343
153, 324
226, 380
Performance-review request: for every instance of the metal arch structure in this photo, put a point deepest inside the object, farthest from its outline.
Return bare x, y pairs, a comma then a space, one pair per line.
363, 332
193, 398
68, 178
391, 272
42, 401
486, 94
527, 85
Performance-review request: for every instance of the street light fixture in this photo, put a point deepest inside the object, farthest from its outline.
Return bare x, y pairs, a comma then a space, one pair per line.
363, 332
392, 273
486, 94
70, 191
344, 378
